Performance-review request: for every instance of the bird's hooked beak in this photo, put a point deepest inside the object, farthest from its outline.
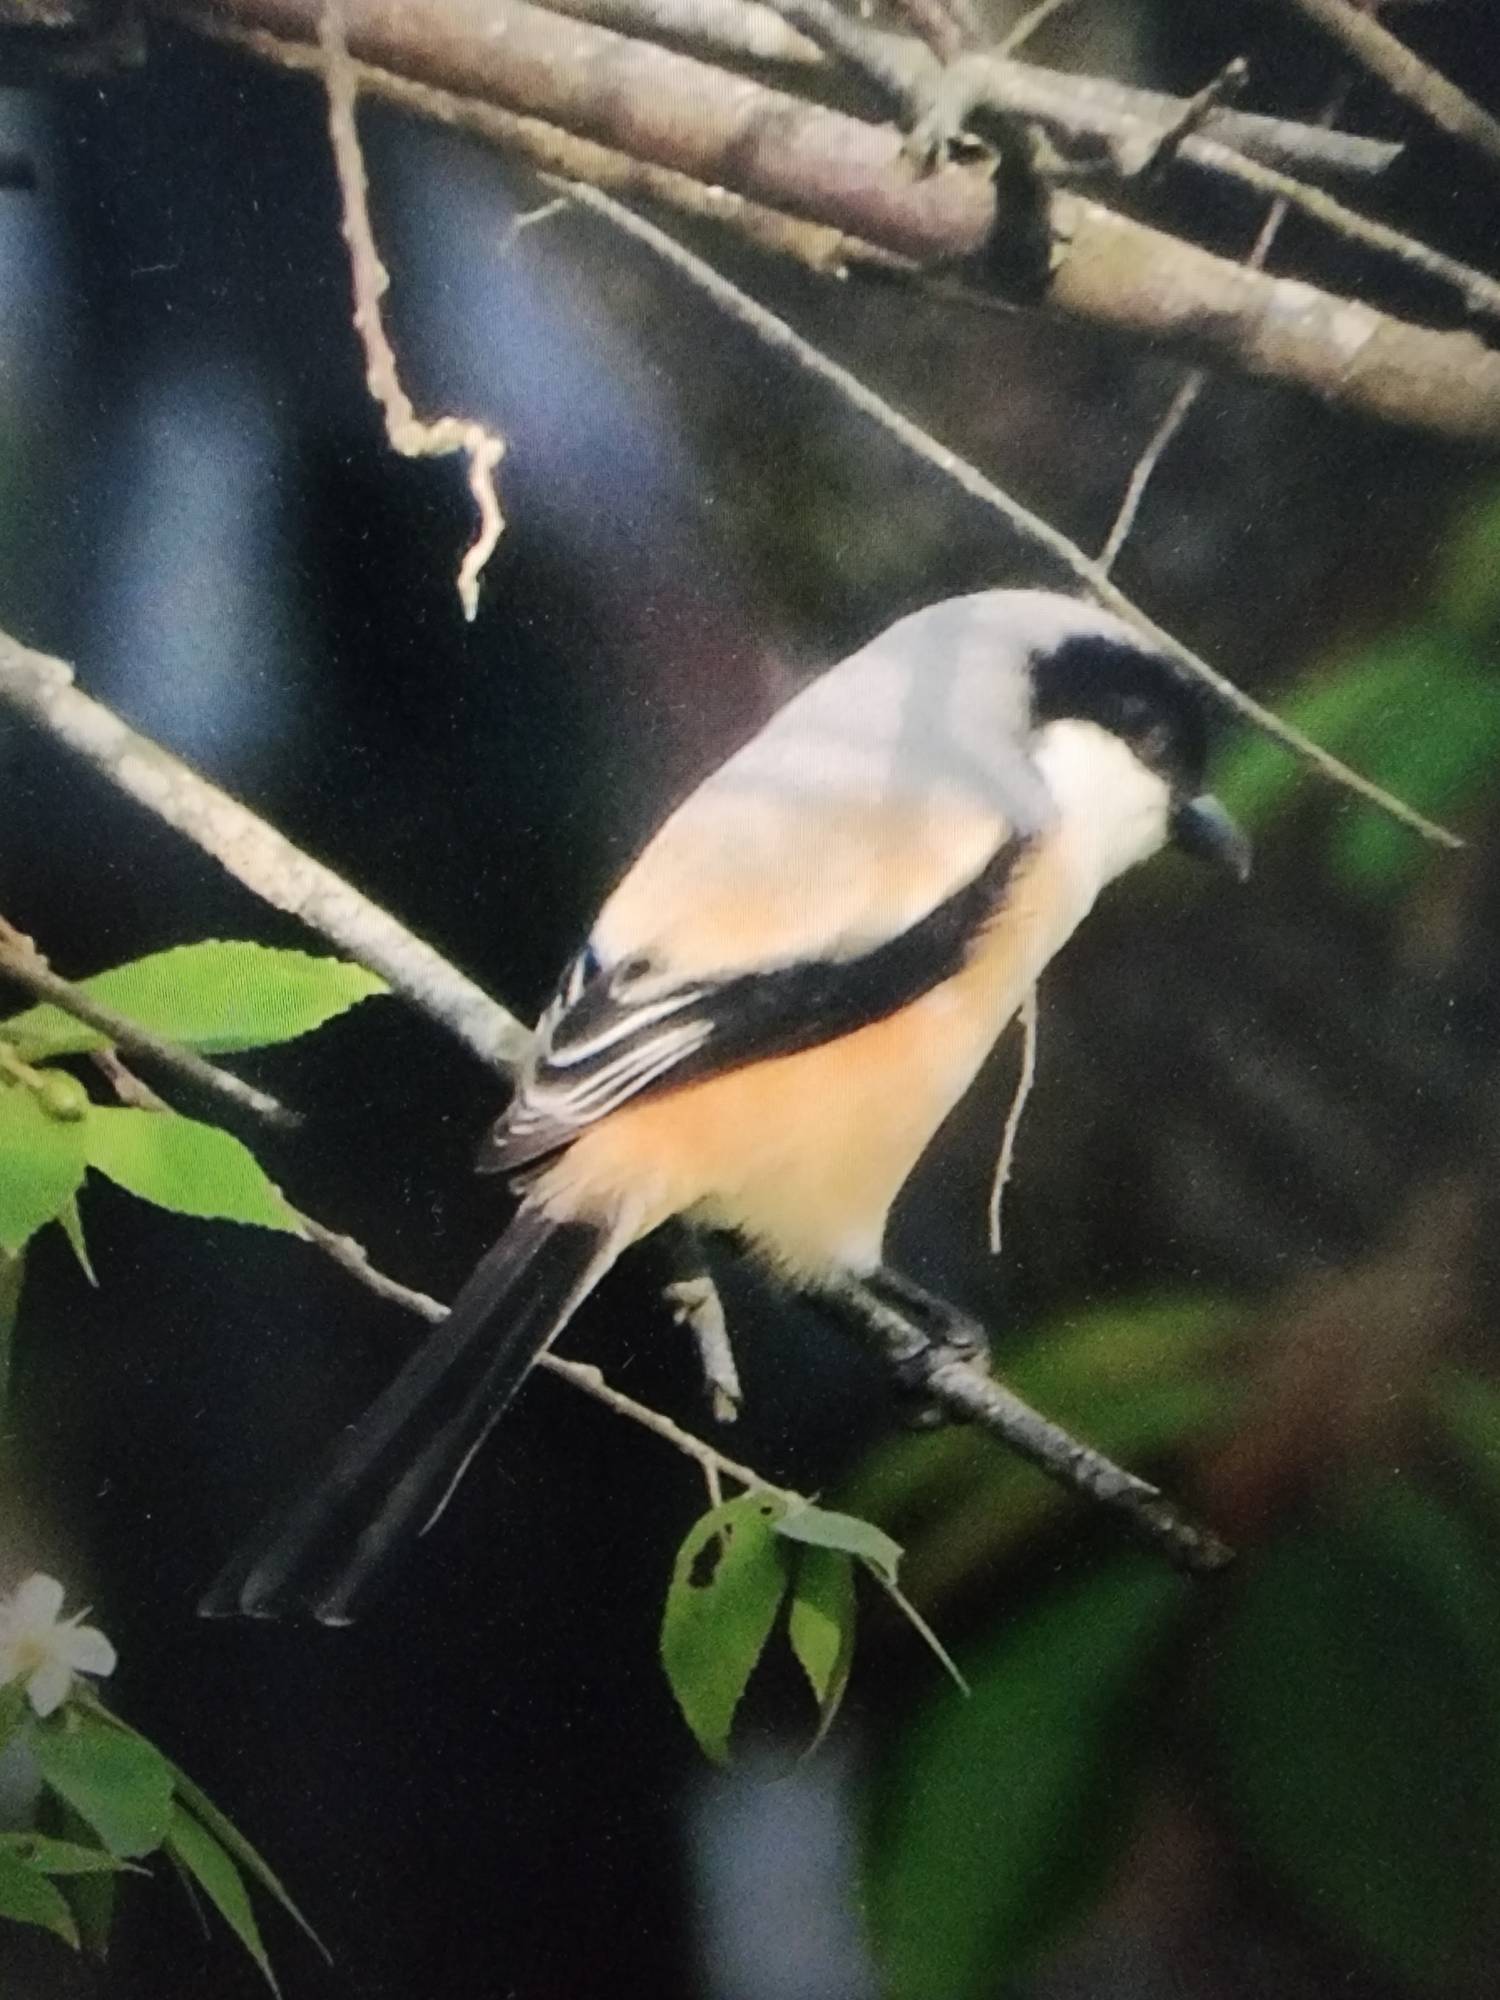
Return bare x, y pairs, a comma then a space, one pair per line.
1201, 826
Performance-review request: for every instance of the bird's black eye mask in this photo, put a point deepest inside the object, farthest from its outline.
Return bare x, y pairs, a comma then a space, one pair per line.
1137, 695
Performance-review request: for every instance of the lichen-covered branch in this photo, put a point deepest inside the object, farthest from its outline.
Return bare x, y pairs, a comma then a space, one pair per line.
41, 689
1111, 271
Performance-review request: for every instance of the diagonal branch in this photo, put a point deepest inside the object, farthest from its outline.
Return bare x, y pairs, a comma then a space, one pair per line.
785, 340
40, 688
1384, 55
1111, 271
22, 962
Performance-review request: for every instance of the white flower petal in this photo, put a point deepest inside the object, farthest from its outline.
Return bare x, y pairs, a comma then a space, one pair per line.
37, 1602
48, 1686
86, 1650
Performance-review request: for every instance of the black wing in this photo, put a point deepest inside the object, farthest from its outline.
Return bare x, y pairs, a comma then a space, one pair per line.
617, 1034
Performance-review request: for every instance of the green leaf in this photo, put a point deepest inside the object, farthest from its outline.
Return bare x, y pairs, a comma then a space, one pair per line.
190, 1168
820, 1626
821, 1528
63, 1857
29, 1898
1002, 1812
1468, 592
91, 1897
727, 1585
229, 1837
215, 997
1469, 1408
72, 1226
41, 1164
14, 1709
215, 1873
112, 1778
1359, 1704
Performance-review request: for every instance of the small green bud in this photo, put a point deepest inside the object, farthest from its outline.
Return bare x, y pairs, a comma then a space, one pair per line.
62, 1096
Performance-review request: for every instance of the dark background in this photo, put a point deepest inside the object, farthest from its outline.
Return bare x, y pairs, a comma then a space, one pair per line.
485, 1790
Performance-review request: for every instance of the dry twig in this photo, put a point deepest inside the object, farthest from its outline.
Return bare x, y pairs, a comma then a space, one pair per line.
409, 434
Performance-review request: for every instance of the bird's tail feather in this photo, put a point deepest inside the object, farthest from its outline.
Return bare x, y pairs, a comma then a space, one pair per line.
391, 1476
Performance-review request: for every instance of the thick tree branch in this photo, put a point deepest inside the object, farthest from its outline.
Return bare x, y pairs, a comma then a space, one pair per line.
1111, 271
1416, 82
36, 686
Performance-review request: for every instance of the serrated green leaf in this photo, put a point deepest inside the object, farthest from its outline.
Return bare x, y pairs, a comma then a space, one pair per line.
1001, 1813
29, 1898
727, 1585
72, 1228
820, 1626
218, 1877
63, 1857
190, 1168
1359, 1710
41, 1164
239, 1849
822, 1528
216, 997
112, 1778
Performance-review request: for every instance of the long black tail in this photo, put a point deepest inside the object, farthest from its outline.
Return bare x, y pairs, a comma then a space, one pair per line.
390, 1477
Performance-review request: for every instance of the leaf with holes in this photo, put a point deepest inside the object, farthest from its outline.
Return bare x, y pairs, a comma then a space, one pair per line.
190, 1168
727, 1585
216, 997
41, 1164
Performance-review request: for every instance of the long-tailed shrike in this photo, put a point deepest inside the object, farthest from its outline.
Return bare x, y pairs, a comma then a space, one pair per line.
792, 987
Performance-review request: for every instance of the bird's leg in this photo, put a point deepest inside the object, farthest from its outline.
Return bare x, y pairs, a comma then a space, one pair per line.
693, 1300
914, 1329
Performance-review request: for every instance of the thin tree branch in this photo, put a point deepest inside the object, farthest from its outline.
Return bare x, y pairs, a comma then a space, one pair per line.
409, 434
781, 337
1080, 108
36, 686
1417, 83
28, 969
1021, 31
981, 81
827, 251
1111, 271
353, 1258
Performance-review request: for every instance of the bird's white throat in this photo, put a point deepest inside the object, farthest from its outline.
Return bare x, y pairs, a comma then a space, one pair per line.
1113, 811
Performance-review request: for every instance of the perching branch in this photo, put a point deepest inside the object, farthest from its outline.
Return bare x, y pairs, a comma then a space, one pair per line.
22, 963
785, 340
1416, 82
1110, 272
41, 688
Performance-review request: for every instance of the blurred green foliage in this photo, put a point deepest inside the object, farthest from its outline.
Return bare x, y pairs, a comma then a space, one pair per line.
1417, 710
